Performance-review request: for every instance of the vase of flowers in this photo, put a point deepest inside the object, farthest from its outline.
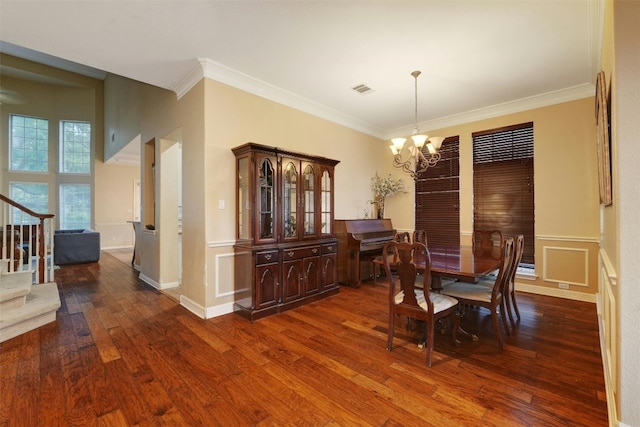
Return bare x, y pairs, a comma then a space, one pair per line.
383, 187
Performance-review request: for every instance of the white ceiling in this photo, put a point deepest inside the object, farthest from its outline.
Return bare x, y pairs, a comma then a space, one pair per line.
478, 57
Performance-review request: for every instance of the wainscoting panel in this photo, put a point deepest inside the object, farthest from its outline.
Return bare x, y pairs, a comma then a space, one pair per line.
116, 235
607, 320
224, 275
566, 265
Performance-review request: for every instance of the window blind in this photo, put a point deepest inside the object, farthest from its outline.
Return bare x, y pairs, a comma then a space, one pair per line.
503, 185
437, 197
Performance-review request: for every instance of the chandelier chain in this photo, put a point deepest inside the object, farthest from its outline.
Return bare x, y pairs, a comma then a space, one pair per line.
416, 103
415, 161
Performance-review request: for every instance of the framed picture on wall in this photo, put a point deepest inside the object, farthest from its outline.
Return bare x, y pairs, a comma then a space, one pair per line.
603, 141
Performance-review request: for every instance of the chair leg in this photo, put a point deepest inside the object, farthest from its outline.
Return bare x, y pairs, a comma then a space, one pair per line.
496, 327
503, 314
392, 327
431, 330
455, 322
515, 304
507, 302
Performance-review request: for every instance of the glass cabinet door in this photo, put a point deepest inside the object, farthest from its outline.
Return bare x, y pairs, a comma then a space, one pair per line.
266, 193
325, 200
290, 200
244, 206
308, 178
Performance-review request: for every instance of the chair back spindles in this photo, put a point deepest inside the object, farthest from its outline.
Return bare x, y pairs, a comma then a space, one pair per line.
489, 242
420, 236
402, 236
509, 300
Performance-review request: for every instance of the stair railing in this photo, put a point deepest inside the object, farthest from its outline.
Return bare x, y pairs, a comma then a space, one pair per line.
26, 236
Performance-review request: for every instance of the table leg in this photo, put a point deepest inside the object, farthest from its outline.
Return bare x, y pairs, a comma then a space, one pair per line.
436, 284
473, 337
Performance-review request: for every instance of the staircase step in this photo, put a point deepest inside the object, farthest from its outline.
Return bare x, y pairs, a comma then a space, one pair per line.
40, 308
14, 288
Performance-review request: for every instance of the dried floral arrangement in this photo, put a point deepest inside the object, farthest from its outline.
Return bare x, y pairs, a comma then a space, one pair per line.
384, 187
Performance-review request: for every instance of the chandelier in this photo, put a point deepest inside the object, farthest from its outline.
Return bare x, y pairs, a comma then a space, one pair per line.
411, 159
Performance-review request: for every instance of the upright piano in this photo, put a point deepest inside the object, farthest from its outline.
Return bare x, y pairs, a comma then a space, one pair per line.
359, 240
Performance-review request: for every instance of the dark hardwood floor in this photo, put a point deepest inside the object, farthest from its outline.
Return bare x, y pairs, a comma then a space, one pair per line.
123, 354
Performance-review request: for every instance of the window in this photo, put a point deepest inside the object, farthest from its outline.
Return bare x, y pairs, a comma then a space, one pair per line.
29, 145
503, 191
32, 195
437, 203
75, 206
75, 147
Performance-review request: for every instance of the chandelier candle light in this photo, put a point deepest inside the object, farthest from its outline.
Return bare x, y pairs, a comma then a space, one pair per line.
415, 162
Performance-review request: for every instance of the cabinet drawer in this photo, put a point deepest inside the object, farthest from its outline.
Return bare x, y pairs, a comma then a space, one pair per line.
329, 248
266, 257
299, 253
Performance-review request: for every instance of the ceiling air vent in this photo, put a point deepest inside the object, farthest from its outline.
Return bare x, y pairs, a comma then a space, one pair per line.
362, 89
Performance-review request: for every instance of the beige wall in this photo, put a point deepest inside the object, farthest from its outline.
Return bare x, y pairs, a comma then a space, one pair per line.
567, 226
114, 203
234, 117
567, 222
609, 213
73, 97
619, 297
566, 194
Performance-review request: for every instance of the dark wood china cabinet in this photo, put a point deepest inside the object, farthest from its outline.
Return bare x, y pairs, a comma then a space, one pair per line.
285, 251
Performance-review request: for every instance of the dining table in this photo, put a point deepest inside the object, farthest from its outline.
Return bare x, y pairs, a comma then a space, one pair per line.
462, 262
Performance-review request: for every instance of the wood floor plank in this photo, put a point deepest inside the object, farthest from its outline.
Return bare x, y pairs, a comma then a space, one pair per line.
51, 401
27, 379
122, 353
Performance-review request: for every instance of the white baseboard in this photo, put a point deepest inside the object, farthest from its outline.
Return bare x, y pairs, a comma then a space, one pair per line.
552, 292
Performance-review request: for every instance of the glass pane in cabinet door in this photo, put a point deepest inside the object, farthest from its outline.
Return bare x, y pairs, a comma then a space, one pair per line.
309, 208
244, 208
266, 199
290, 200
326, 203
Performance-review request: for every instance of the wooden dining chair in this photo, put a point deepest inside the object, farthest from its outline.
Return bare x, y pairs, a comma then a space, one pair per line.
399, 237
489, 242
402, 236
509, 304
510, 294
420, 236
408, 300
490, 297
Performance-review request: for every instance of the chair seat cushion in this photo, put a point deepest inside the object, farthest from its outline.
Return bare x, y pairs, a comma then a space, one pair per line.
440, 302
472, 291
486, 281
444, 281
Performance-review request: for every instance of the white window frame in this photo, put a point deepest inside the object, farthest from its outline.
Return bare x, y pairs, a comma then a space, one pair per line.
65, 208
36, 145
73, 148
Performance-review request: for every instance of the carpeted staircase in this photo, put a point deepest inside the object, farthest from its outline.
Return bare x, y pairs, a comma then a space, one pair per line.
24, 306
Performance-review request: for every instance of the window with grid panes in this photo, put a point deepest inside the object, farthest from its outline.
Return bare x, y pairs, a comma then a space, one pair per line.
503, 186
75, 206
32, 195
75, 147
437, 197
29, 144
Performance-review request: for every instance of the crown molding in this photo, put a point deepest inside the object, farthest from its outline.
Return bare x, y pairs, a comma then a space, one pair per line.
223, 74
189, 79
210, 69
524, 104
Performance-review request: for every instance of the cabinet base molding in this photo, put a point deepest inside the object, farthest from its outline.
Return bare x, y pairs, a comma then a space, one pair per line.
253, 314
